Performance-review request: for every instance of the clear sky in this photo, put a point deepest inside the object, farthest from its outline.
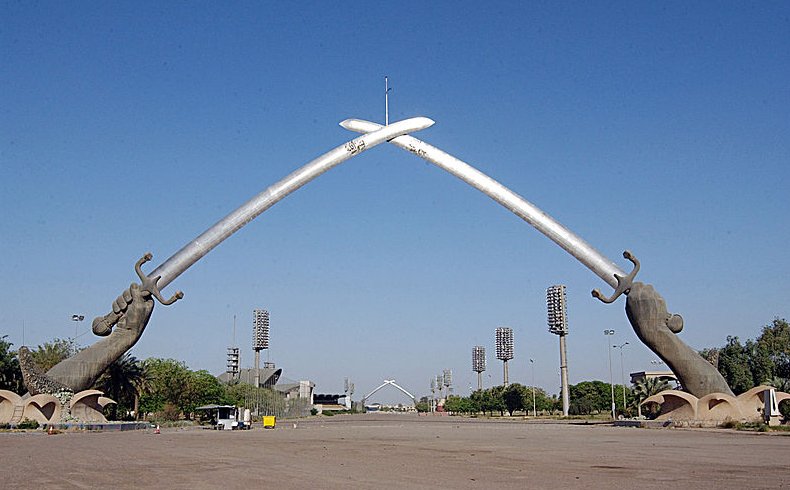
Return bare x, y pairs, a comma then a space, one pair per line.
131, 127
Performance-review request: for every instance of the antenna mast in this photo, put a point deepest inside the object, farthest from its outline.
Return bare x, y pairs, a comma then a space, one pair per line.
386, 102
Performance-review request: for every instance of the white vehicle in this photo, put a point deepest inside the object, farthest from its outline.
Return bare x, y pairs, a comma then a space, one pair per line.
225, 417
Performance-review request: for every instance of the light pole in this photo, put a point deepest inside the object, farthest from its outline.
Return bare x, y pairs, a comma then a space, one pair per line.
622, 370
607, 333
76, 319
504, 349
479, 363
557, 308
534, 411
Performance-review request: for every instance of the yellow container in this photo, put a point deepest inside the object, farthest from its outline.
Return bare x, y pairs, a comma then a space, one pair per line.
268, 421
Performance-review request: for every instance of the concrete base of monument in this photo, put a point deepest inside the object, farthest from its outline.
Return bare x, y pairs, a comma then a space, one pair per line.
63, 407
686, 410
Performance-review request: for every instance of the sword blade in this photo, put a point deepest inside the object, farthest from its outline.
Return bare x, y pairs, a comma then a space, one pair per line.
179, 262
585, 253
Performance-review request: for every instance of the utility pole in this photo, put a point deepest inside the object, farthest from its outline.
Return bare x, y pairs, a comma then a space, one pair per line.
608, 333
622, 369
534, 410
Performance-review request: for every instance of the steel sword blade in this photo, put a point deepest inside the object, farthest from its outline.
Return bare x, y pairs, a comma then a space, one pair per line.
179, 262
591, 258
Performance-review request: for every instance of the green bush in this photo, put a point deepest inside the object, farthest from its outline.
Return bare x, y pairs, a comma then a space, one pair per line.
27, 424
313, 411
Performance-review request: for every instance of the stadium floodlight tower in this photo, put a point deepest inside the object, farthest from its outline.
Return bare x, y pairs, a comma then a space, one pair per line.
504, 348
479, 363
260, 339
557, 307
447, 379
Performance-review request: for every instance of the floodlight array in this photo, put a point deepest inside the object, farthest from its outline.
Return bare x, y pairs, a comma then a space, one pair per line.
557, 308
504, 343
478, 358
233, 362
260, 330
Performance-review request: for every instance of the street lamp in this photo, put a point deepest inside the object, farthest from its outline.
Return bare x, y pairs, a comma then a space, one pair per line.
76, 319
622, 370
534, 411
607, 333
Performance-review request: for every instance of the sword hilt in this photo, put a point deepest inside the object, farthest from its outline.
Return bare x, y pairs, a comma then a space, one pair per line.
624, 283
102, 325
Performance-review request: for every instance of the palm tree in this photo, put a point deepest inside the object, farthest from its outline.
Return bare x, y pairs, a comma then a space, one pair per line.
122, 381
647, 387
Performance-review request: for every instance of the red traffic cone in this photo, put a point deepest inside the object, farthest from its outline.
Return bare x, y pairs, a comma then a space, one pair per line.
156, 431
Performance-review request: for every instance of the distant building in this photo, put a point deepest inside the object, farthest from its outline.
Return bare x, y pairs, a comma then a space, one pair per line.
303, 390
668, 376
269, 376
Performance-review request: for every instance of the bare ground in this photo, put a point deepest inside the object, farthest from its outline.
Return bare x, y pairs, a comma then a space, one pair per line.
400, 451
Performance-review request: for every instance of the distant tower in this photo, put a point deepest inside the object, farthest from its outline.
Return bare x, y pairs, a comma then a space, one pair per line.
504, 348
348, 390
479, 363
260, 339
433, 394
233, 356
558, 325
233, 362
447, 380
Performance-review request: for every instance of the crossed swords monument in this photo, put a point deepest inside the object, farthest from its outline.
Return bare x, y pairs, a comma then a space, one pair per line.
645, 308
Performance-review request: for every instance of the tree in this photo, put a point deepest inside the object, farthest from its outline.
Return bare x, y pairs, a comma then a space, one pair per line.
734, 365
757, 361
202, 389
122, 381
167, 387
513, 397
454, 404
497, 399
543, 402
423, 407
47, 355
590, 397
775, 342
10, 374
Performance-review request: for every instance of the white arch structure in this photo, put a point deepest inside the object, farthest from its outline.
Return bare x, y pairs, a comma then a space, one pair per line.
385, 383
375, 134
551, 228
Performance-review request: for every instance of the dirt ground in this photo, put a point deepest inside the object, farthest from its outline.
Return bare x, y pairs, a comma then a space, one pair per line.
400, 451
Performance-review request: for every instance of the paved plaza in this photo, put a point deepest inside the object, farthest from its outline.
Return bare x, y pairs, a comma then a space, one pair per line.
399, 451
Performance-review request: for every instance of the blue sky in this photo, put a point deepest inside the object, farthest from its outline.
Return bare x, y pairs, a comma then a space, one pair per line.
132, 127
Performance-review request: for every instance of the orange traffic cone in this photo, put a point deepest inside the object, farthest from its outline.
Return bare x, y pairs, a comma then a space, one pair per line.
51, 430
156, 431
